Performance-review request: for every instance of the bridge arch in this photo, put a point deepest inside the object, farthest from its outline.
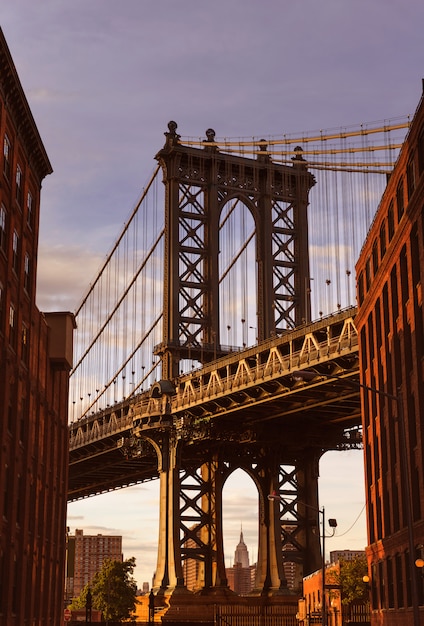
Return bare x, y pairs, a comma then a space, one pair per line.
240, 513
238, 273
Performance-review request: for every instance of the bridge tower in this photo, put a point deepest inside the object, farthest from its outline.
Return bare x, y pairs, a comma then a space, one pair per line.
199, 183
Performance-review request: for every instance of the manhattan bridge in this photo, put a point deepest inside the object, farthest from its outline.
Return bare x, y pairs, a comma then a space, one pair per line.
234, 273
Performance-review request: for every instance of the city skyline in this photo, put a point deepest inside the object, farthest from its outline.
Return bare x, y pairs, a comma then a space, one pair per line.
103, 81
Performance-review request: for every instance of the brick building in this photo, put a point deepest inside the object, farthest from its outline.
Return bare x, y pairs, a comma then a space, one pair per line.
86, 555
35, 359
390, 279
345, 555
310, 607
337, 612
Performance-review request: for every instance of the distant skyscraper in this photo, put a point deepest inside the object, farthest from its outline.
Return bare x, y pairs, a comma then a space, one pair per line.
90, 552
241, 554
291, 569
191, 567
241, 577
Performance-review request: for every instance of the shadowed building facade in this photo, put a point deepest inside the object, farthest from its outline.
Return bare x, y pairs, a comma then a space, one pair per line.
35, 359
390, 274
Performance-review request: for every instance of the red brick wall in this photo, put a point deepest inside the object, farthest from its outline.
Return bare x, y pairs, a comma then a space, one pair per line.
33, 387
390, 275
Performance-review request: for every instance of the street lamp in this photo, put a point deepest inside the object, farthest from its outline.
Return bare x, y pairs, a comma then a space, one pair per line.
333, 524
151, 607
88, 605
308, 375
419, 564
335, 611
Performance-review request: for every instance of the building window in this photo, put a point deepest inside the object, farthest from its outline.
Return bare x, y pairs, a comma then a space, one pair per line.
400, 200
391, 221
12, 325
24, 344
368, 275
374, 259
408, 579
390, 584
399, 581
30, 211
410, 177
27, 273
18, 185
382, 240
15, 251
2, 228
7, 154
361, 288
382, 589
15, 598
404, 276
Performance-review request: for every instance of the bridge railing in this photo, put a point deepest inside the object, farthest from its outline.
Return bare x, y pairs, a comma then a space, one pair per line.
100, 426
266, 361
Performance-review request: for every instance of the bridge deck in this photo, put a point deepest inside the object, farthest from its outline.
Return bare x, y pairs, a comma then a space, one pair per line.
246, 397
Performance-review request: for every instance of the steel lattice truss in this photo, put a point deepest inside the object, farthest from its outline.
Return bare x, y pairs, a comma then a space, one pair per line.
284, 264
192, 254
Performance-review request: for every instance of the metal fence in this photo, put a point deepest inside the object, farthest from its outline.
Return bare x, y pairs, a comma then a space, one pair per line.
275, 615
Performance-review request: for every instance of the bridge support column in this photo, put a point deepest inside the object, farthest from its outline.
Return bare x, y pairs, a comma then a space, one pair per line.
169, 573
270, 577
289, 528
308, 509
190, 525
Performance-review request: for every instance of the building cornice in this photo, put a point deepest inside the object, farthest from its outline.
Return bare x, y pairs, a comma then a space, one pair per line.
18, 108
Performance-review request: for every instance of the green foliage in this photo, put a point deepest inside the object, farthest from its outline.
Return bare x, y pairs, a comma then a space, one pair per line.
80, 602
350, 579
113, 591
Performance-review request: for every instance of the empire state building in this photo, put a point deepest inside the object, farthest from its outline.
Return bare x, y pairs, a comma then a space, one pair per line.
241, 555
241, 576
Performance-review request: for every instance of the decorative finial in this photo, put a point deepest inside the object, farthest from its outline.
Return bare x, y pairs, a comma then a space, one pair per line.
210, 140
172, 137
298, 154
263, 154
172, 127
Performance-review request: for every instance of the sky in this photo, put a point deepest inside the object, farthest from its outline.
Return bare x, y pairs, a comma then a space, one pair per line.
103, 79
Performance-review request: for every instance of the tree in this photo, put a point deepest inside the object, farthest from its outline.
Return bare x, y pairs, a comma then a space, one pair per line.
113, 591
81, 601
350, 579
